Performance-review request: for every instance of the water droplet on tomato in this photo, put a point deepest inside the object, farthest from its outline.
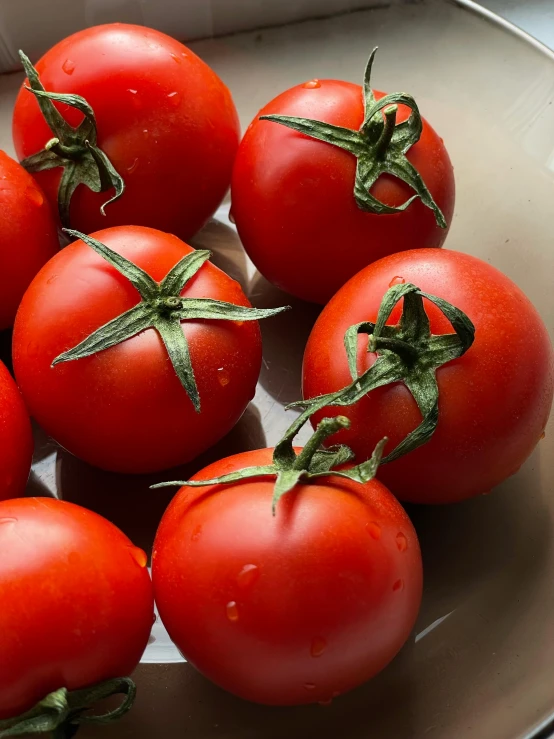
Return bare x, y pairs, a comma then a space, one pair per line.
145, 131
8, 519
312, 84
133, 92
139, 555
231, 217
239, 323
247, 576
176, 58
318, 646
398, 585
223, 377
401, 542
232, 611
68, 66
309, 686
133, 166
397, 280
34, 196
174, 98
196, 533
374, 530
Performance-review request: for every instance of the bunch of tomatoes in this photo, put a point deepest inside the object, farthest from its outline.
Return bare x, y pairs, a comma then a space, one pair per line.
287, 575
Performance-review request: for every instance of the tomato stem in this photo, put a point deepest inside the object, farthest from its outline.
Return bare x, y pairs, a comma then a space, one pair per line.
385, 138
405, 350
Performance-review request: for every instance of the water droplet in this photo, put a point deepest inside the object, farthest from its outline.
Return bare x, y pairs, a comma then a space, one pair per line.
140, 556
312, 84
326, 703
247, 576
231, 217
133, 166
309, 686
398, 585
543, 435
68, 66
196, 533
223, 377
34, 196
397, 280
145, 131
174, 98
135, 98
8, 519
401, 542
133, 92
374, 530
239, 323
232, 611
176, 58
318, 646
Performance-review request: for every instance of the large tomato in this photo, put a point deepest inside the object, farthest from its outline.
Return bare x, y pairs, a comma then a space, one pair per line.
28, 235
165, 121
124, 408
293, 196
16, 440
77, 605
494, 401
293, 608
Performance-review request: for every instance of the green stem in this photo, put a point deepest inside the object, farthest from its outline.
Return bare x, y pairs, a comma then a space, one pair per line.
326, 427
408, 353
385, 138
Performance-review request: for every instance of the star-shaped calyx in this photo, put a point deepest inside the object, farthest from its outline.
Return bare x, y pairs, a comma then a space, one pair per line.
407, 352
74, 149
380, 146
163, 308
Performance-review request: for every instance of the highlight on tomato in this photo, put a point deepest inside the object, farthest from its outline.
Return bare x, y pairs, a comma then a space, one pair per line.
16, 439
121, 124
77, 610
331, 176
295, 606
28, 235
444, 355
134, 352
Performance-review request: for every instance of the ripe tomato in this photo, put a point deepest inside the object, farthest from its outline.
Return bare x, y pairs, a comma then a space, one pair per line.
165, 121
77, 605
494, 401
293, 196
16, 440
124, 408
293, 608
28, 234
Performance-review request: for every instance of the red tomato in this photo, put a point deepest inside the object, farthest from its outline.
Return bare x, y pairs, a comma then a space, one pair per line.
290, 609
293, 199
124, 409
16, 440
494, 401
28, 235
165, 120
77, 604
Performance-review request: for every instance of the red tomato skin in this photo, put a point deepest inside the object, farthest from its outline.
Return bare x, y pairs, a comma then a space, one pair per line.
77, 604
494, 401
293, 199
290, 609
16, 439
28, 235
124, 409
165, 120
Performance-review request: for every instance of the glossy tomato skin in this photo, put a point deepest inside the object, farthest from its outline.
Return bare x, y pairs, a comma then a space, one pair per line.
16, 439
494, 401
28, 234
165, 120
293, 199
124, 409
77, 605
290, 609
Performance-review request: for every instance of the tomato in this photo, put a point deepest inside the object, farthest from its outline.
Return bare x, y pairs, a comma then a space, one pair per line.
293, 608
165, 120
16, 440
77, 605
494, 401
124, 408
28, 235
293, 200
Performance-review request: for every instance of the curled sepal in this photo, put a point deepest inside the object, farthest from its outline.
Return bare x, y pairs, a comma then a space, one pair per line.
289, 467
407, 352
61, 712
380, 146
161, 307
74, 149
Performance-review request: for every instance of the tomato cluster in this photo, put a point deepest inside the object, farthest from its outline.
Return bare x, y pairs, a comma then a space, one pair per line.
287, 575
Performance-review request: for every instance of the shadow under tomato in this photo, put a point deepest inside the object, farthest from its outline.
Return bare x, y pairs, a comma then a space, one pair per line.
6, 348
127, 500
284, 339
227, 251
